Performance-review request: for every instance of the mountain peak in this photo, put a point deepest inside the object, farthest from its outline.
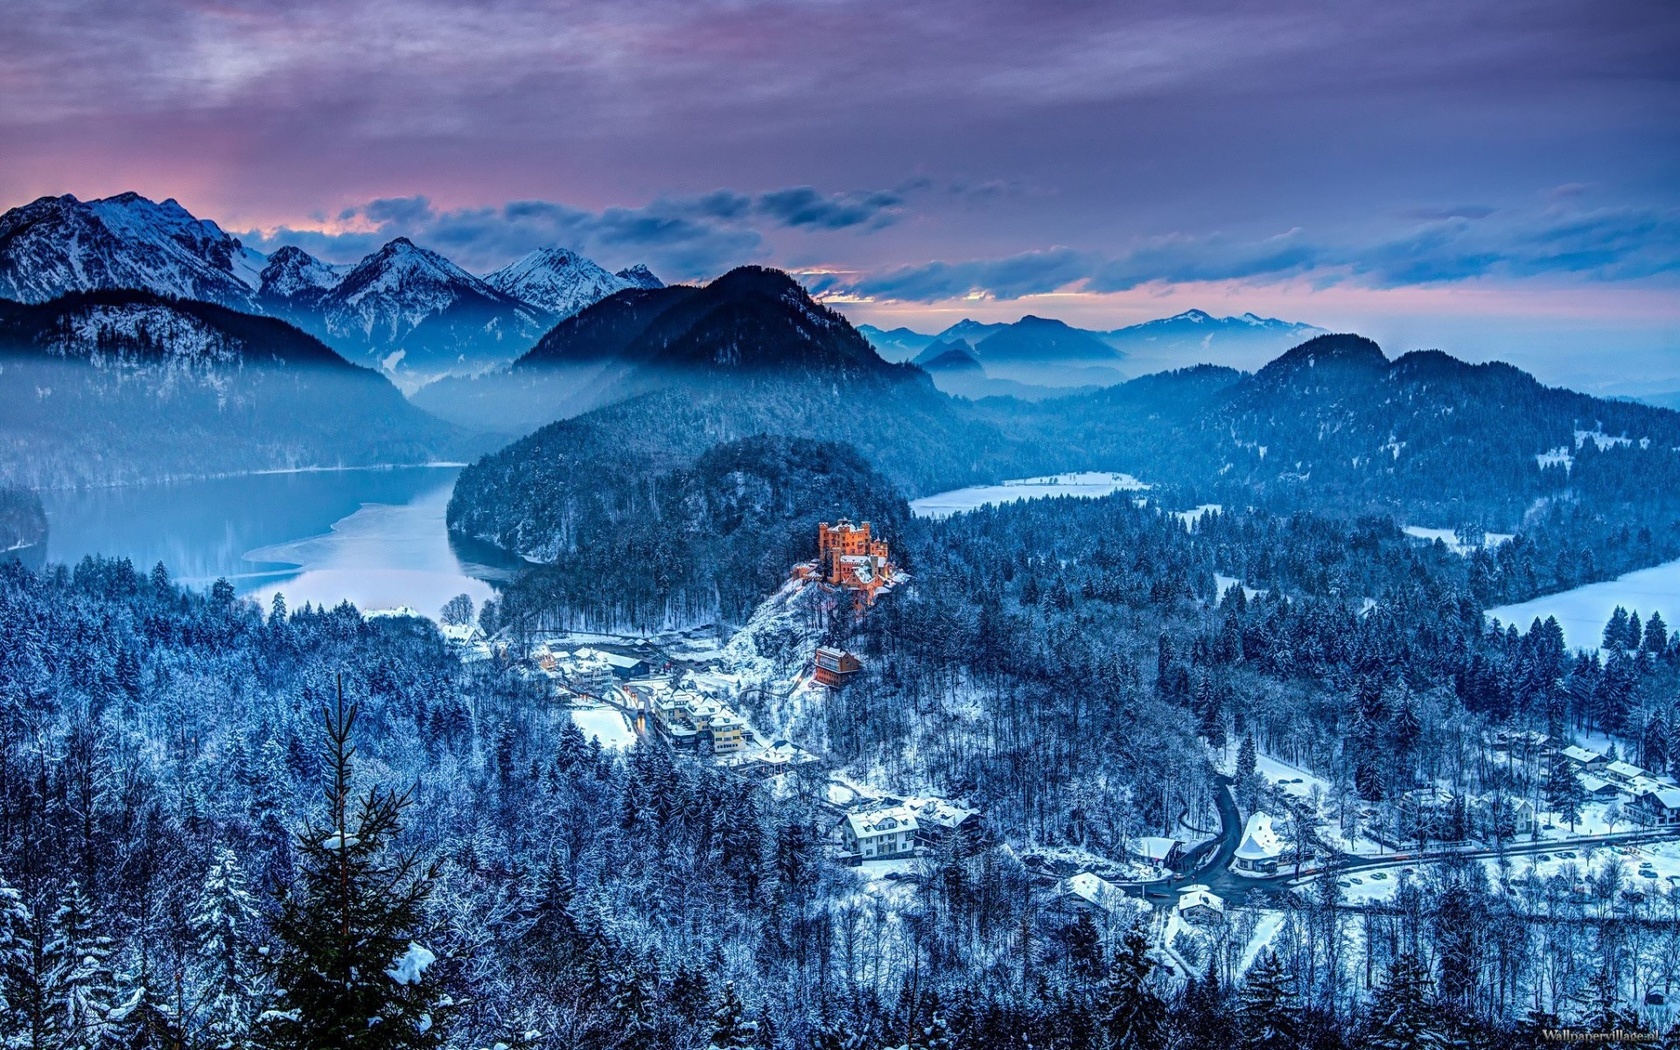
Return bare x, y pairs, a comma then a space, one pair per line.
1337, 354
557, 280
639, 276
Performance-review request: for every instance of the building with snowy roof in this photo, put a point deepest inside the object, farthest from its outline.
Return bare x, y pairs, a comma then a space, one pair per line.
1659, 808
1088, 891
1624, 773
1584, 760
1199, 904
1158, 849
1260, 848
879, 835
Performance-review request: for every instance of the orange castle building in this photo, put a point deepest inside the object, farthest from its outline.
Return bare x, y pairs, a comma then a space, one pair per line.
848, 556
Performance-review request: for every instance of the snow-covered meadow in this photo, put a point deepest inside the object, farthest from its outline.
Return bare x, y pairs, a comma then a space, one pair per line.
1583, 611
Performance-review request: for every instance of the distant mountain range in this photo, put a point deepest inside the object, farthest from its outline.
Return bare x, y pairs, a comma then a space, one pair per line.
1042, 352
119, 386
1331, 424
403, 309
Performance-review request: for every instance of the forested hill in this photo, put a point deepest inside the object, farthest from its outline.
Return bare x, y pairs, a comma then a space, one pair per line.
750, 325
113, 387
1335, 423
698, 543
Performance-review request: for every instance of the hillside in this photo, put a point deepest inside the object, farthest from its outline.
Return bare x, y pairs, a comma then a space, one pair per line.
749, 326
702, 541
122, 386
1334, 423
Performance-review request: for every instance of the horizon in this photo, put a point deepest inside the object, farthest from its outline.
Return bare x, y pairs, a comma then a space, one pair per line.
1489, 182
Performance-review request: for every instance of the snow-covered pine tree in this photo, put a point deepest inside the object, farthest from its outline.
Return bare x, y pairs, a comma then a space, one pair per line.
1129, 1013
20, 992
731, 1030
81, 986
1268, 1008
347, 972
1564, 793
230, 986
1402, 1015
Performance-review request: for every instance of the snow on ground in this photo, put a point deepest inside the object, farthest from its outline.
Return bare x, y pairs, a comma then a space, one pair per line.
604, 724
1450, 538
1265, 931
1194, 514
1221, 584
1088, 485
1583, 611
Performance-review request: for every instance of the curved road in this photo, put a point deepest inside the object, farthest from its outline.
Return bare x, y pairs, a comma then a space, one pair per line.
1208, 863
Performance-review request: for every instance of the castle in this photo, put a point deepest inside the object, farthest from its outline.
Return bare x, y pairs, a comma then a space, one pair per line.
849, 557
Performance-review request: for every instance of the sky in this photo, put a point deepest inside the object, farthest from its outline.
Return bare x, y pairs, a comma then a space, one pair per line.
1495, 179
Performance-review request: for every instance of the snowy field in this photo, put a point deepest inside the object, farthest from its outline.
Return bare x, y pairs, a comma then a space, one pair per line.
604, 724
1450, 538
1088, 485
1583, 612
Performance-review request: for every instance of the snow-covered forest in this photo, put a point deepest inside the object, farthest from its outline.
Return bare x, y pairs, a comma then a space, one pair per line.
203, 846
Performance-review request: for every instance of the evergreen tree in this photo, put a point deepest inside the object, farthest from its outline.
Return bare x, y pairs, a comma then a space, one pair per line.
1564, 793
224, 927
1402, 1017
1268, 1009
731, 1029
81, 986
1129, 1013
21, 1004
347, 972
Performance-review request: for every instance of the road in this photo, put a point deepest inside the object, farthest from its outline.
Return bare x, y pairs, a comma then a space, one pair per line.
1208, 864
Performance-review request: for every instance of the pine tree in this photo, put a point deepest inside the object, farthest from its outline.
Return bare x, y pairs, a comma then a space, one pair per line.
81, 986
1564, 793
1268, 1010
731, 1030
1401, 1015
225, 928
20, 991
347, 972
1129, 1013
1247, 758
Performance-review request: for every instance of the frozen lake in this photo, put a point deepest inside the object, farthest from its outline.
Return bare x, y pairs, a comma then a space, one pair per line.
1088, 484
375, 537
1583, 612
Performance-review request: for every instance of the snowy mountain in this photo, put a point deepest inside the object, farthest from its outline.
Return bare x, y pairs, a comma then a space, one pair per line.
60, 244
404, 309
563, 282
639, 276
1198, 337
122, 386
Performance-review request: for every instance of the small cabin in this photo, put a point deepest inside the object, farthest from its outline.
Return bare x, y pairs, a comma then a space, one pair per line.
1660, 808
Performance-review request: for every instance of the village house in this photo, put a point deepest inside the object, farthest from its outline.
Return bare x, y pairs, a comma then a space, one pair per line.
1623, 773
1598, 788
1089, 892
1157, 849
1583, 760
1659, 808
1501, 816
1260, 848
881, 835
1199, 905
939, 821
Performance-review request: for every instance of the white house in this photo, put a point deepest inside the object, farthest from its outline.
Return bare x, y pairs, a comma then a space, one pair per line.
1158, 849
1198, 904
1660, 807
1584, 760
1260, 847
1624, 773
880, 835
